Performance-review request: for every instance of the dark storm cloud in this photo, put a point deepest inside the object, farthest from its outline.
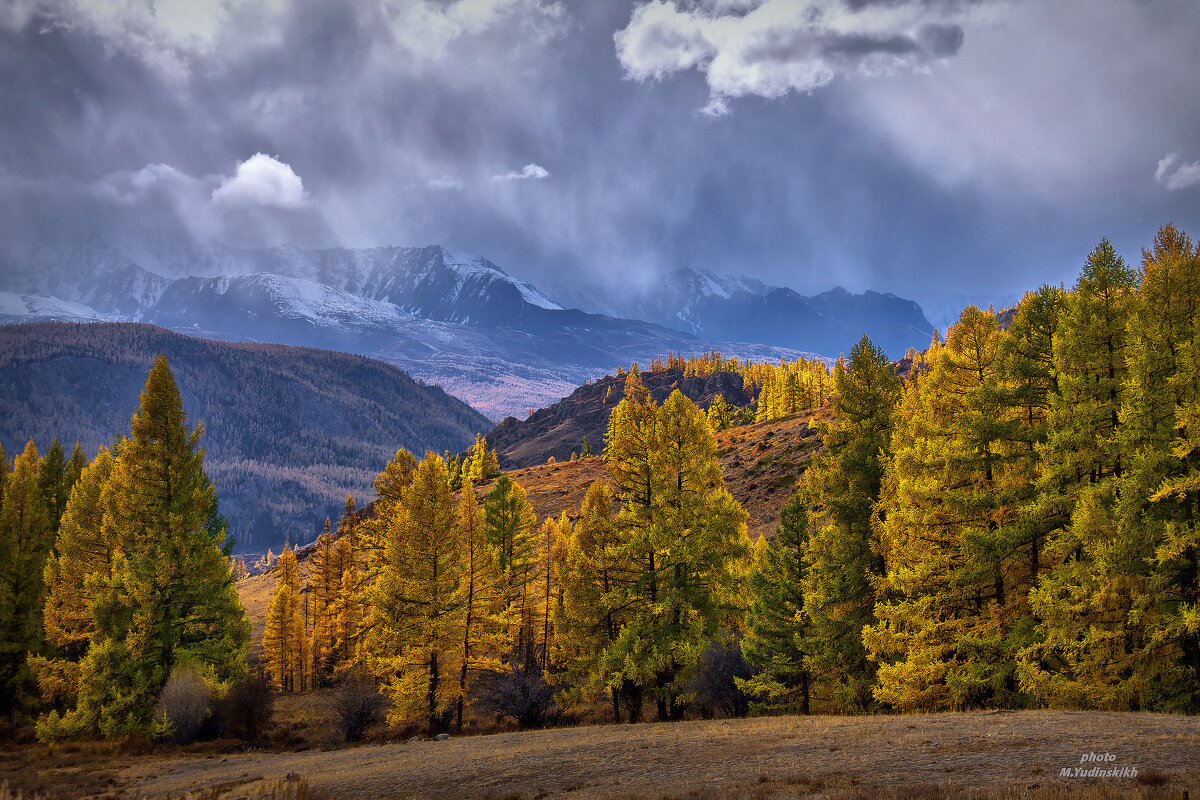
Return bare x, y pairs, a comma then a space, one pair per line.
941, 41
940, 149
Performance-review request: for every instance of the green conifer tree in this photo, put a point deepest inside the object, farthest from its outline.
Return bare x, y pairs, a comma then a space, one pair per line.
1031, 378
509, 526
844, 484
172, 597
82, 559
589, 619
947, 632
776, 627
25, 542
1075, 658
683, 539
75, 468
416, 628
52, 483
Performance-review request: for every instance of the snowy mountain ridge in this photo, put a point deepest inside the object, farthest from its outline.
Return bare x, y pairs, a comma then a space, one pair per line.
459, 320
711, 305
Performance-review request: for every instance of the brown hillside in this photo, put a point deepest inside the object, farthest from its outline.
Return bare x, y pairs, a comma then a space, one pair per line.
761, 463
558, 431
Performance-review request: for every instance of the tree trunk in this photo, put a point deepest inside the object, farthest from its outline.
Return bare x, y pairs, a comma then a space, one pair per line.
432, 696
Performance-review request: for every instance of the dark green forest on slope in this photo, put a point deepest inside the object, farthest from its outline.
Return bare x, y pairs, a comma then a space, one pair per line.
289, 431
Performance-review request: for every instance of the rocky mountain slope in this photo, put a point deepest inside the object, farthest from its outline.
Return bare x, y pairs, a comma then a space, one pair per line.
739, 308
458, 321
289, 431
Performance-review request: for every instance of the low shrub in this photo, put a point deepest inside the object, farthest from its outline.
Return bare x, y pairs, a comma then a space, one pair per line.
520, 693
182, 705
714, 679
247, 708
357, 705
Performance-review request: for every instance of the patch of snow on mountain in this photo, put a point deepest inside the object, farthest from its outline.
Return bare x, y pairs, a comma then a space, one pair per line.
31, 307
472, 266
711, 287
220, 284
325, 306
534, 297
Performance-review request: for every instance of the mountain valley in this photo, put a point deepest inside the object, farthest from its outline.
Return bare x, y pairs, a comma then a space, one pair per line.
289, 431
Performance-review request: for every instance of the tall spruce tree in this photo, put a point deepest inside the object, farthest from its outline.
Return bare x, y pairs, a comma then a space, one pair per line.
776, 640
682, 539
52, 483
486, 631
1031, 384
172, 597
75, 468
509, 526
1078, 656
25, 541
948, 632
590, 619
82, 560
416, 628
844, 485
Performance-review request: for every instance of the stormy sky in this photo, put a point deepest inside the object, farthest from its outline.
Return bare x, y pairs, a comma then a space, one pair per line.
950, 151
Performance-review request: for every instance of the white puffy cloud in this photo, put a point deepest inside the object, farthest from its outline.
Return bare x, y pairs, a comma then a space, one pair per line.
1176, 177
768, 48
262, 181
528, 172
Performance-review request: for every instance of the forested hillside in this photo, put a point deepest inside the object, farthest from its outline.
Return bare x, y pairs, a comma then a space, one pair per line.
289, 431
748, 391
1006, 520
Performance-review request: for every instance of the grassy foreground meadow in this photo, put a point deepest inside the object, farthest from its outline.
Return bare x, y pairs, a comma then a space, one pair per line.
974, 754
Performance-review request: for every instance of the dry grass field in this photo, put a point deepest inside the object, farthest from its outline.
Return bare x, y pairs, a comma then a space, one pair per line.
975, 755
